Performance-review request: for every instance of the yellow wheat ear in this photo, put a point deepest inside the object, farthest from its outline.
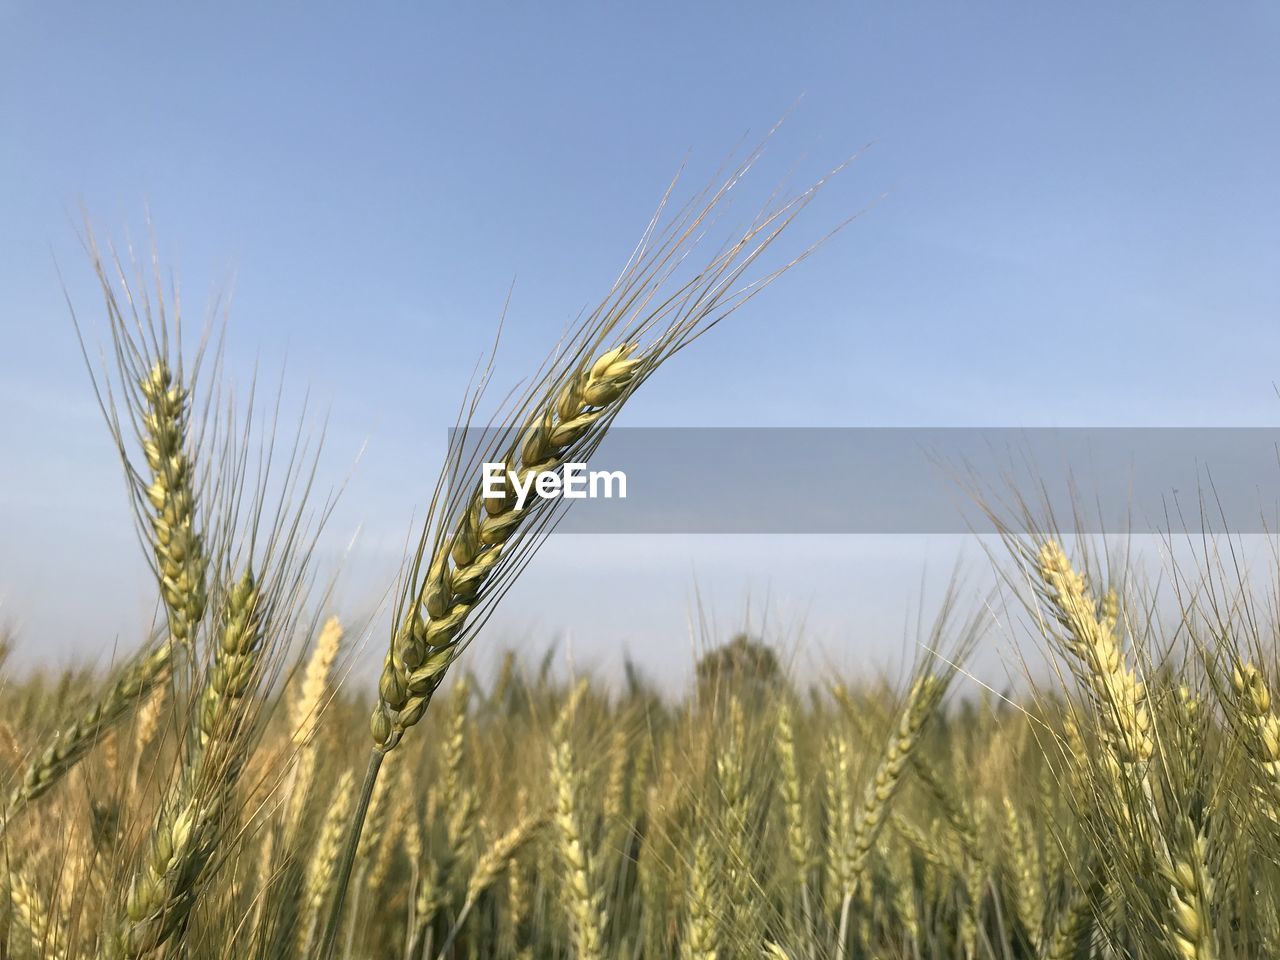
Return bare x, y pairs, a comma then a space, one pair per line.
324, 859
304, 721
1090, 638
1261, 728
582, 894
1180, 852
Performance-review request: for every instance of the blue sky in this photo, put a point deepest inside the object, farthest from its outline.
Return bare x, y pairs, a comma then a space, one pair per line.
1073, 221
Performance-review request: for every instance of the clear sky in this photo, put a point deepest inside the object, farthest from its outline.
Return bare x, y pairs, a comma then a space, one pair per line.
1075, 220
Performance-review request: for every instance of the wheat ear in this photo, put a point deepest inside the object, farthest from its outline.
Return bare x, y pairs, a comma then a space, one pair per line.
146, 728
320, 869
235, 664
1121, 700
1261, 728
701, 926
565, 414
958, 815
737, 822
69, 745
1190, 927
1070, 926
925, 695
460, 801
163, 406
838, 767
181, 562
582, 894
1090, 639
33, 913
921, 703
1025, 874
489, 868
799, 846
304, 721
428, 897
471, 544
162, 895
458, 571
304, 710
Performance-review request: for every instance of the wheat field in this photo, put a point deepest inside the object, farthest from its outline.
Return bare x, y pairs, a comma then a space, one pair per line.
230, 789
544, 818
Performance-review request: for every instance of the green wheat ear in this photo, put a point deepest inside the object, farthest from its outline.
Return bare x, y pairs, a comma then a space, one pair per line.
235, 662
164, 893
180, 565
179, 550
462, 564
701, 928
69, 745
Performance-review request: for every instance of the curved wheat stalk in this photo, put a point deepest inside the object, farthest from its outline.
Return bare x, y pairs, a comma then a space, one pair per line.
473, 545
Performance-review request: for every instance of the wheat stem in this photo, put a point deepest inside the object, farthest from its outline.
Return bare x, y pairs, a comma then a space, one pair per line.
342, 873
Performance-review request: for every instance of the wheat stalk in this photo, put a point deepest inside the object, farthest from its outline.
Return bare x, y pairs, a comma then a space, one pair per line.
161, 403
925, 695
472, 544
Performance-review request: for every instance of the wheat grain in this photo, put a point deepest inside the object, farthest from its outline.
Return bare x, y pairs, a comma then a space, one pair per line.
701, 932
1190, 927
176, 540
581, 891
792, 795
324, 858
1091, 639
1261, 729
